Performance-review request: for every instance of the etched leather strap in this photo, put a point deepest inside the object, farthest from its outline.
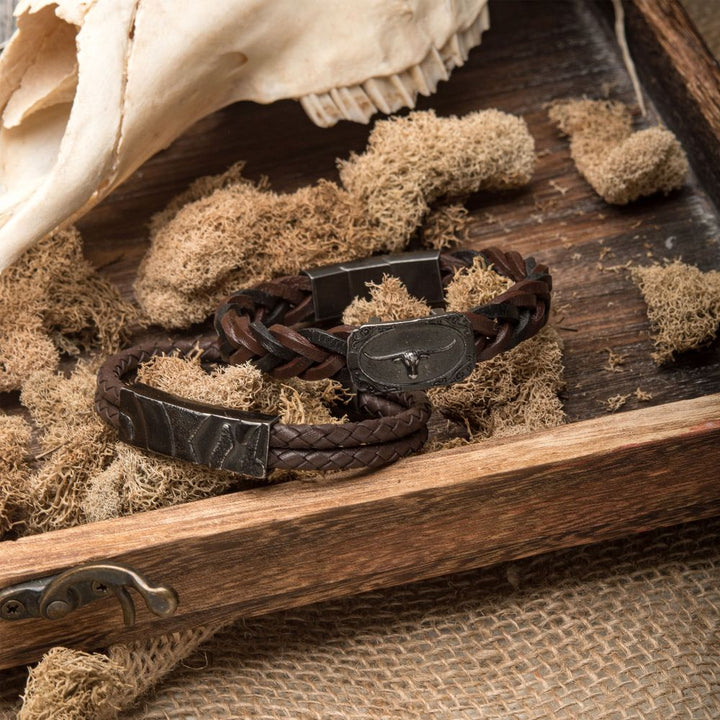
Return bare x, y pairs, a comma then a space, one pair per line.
265, 324
250, 443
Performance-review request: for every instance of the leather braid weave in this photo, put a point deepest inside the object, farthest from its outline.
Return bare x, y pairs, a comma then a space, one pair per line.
369, 456
396, 425
260, 324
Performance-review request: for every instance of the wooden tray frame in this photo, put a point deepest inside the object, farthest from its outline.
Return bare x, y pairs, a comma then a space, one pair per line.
282, 546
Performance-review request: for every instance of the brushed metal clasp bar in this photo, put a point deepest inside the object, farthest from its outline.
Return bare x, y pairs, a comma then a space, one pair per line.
335, 286
200, 433
56, 596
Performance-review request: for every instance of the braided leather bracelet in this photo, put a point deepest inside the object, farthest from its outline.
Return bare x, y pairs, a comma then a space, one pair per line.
250, 443
254, 324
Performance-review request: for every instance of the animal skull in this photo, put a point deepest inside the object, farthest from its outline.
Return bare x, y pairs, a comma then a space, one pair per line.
89, 89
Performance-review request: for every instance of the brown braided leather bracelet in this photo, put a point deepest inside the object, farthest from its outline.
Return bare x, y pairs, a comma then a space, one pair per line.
265, 324
250, 443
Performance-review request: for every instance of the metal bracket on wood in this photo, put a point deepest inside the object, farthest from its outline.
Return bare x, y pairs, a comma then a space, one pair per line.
56, 596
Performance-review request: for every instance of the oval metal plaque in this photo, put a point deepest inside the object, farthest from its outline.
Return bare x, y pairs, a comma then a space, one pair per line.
411, 354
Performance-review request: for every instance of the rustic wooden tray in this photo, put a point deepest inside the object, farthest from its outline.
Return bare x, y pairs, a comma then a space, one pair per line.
601, 476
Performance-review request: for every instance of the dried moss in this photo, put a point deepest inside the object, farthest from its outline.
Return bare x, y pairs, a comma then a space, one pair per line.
412, 162
14, 438
75, 444
621, 165
241, 233
53, 301
445, 226
683, 306
74, 685
389, 300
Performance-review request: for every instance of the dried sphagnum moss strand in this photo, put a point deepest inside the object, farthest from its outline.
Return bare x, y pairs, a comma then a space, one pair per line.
389, 300
84, 685
76, 445
52, 292
411, 162
241, 233
683, 306
445, 226
620, 165
14, 438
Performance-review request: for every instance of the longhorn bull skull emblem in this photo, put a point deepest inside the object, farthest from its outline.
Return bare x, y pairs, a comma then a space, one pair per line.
411, 358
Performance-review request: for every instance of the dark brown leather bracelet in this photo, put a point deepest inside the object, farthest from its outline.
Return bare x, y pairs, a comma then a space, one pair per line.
251, 443
263, 324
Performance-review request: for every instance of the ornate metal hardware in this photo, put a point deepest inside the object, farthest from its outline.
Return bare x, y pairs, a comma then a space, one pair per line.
56, 596
203, 434
334, 286
411, 354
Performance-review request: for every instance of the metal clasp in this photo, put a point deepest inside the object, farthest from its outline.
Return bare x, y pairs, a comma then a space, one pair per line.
56, 596
335, 286
203, 434
411, 354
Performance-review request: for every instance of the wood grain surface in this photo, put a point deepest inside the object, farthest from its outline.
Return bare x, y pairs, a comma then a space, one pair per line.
278, 547
602, 476
684, 79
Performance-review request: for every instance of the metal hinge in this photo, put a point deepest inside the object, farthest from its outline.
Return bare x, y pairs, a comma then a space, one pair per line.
56, 596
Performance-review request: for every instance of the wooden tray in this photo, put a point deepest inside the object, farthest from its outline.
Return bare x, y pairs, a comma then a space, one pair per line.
601, 476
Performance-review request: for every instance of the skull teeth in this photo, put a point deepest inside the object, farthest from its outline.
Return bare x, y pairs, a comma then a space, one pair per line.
389, 93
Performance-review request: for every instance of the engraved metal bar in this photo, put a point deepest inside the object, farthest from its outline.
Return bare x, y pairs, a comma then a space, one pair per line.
411, 355
204, 434
335, 286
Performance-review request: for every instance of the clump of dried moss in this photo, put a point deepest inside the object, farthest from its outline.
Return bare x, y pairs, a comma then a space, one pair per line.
54, 302
621, 165
14, 438
75, 445
683, 306
227, 232
82, 685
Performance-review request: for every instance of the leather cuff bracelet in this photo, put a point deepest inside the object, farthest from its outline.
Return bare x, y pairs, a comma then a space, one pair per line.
251, 443
263, 324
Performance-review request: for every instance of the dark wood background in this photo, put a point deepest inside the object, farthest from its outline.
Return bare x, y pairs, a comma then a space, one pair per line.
535, 53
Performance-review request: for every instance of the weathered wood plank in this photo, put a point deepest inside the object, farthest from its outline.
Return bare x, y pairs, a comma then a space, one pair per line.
683, 77
287, 545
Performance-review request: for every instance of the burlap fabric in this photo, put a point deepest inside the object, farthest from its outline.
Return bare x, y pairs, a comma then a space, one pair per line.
628, 629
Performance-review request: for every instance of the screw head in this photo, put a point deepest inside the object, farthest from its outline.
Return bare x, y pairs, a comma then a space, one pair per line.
99, 588
57, 609
12, 610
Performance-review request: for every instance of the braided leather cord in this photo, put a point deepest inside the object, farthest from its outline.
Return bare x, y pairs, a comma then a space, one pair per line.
396, 424
260, 324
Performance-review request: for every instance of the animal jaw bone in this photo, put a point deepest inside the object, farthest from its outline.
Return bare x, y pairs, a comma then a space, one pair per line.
389, 93
90, 89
